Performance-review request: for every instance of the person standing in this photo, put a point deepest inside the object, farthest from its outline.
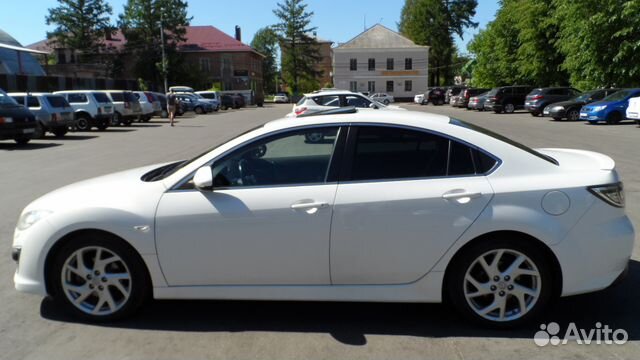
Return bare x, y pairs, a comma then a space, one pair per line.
172, 106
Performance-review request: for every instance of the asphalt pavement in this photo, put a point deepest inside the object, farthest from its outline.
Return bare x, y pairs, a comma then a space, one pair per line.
32, 328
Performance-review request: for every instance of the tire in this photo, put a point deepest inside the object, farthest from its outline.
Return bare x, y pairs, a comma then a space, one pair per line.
60, 131
614, 118
82, 124
22, 141
117, 119
573, 115
199, 110
39, 132
535, 114
509, 108
102, 127
386, 101
127, 290
127, 122
535, 275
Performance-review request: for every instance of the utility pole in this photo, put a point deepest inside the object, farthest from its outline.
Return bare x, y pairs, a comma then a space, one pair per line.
164, 60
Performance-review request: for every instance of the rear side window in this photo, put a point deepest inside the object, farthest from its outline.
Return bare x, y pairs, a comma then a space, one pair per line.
57, 101
117, 97
357, 101
536, 92
76, 98
101, 97
330, 100
460, 160
33, 101
19, 99
301, 101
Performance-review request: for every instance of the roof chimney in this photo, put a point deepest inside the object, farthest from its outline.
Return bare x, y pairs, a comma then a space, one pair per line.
238, 33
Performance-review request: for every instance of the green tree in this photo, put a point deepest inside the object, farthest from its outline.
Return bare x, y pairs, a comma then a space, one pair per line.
265, 41
298, 45
140, 23
434, 23
81, 25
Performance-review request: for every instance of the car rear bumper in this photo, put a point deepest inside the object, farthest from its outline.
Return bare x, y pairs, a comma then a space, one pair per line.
534, 108
17, 131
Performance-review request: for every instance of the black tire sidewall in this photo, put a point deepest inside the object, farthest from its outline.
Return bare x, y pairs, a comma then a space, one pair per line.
455, 279
140, 281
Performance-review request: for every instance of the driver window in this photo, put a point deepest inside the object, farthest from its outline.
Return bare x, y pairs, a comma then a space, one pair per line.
356, 101
297, 157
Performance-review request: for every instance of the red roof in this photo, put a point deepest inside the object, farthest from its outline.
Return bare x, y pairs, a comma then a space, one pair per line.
197, 38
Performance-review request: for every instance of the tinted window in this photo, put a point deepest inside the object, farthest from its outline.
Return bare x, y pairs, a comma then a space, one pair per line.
357, 101
297, 157
18, 99
57, 101
208, 95
129, 97
76, 98
330, 100
535, 92
392, 153
300, 102
460, 160
33, 101
136, 95
483, 162
117, 97
557, 92
620, 95
101, 97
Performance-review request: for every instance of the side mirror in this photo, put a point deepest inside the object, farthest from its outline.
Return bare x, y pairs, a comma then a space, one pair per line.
203, 179
373, 106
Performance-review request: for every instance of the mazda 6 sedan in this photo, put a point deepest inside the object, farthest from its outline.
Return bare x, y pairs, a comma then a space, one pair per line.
380, 206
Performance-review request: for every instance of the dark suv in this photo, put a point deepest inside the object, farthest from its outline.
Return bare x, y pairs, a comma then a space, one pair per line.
16, 122
539, 98
507, 98
462, 100
570, 109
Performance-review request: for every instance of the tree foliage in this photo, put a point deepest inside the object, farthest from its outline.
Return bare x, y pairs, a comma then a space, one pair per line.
298, 45
81, 25
265, 41
435, 23
140, 23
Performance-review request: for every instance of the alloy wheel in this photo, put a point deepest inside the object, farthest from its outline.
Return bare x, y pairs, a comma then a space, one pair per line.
96, 280
509, 108
502, 285
573, 115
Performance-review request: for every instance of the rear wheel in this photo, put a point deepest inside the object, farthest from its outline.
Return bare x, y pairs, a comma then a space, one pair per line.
199, 110
386, 101
535, 113
82, 124
39, 131
22, 141
614, 118
509, 108
501, 282
99, 278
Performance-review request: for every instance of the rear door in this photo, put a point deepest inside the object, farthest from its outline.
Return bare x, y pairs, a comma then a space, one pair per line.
404, 198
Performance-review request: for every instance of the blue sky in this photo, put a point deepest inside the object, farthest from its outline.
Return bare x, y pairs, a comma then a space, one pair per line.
337, 20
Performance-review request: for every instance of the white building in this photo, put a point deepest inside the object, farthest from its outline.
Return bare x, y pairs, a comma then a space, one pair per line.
381, 60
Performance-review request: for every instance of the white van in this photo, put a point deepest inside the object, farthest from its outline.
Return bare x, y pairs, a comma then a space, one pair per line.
633, 110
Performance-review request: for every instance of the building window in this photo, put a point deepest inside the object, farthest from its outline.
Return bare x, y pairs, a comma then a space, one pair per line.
389, 63
353, 65
353, 86
205, 65
408, 85
408, 64
372, 64
371, 87
390, 86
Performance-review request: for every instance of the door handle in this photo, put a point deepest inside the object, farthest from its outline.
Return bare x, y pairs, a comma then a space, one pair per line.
460, 195
310, 207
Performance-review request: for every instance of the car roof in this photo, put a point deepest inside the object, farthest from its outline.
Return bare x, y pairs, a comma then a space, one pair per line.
75, 91
30, 94
331, 92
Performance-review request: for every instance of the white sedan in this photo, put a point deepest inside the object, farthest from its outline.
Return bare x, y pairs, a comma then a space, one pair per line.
382, 206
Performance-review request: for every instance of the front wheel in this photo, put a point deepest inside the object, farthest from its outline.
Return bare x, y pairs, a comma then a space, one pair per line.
614, 118
199, 110
82, 124
573, 115
99, 278
501, 283
22, 140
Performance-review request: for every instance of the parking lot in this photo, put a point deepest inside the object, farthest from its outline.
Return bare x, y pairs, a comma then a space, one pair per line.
31, 328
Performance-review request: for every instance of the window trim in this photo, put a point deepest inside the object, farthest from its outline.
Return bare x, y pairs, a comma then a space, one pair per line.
332, 171
350, 147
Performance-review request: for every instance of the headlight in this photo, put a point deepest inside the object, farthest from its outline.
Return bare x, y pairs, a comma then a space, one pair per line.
29, 218
599, 108
612, 194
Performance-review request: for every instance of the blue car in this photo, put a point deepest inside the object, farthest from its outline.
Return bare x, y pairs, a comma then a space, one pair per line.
611, 109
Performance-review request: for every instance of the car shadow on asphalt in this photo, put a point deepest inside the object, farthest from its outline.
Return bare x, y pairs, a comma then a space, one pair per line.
350, 323
30, 146
71, 137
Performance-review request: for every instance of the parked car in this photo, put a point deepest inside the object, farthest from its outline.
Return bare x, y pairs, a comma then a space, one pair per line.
149, 106
506, 98
332, 99
436, 96
126, 106
462, 100
53, 112
477, 102
570, 109
611, 109
229, 102
419, 99
633, 110
241, 99
191, 102
212, 95
16, 121
539, 98
91, 108
451, 91
299, 220
215, 103
281, 98
383, 98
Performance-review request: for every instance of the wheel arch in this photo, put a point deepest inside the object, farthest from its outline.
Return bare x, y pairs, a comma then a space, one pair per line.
502, 234
66, 239
82, 113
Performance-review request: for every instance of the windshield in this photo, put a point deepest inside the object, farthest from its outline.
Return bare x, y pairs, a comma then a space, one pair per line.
503, 139
620, 95
6, 100
493, 92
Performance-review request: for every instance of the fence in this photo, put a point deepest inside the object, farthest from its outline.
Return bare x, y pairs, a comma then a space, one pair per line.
27, 83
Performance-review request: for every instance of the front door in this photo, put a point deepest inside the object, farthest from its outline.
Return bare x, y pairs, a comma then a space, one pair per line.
266, 222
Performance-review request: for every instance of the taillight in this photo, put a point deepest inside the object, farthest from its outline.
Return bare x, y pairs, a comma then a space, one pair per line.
536, 97
300, 110
612, 194
467, 95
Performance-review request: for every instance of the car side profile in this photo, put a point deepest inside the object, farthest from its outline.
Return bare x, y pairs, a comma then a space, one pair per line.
506, 99
382, 98
91, 108
332, 99
53, 112
16, 121
633, 110
384, 206
570, 109
611, 109
539, 98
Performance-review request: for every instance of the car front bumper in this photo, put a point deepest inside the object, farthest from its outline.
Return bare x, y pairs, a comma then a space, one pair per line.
556, 113
593, 116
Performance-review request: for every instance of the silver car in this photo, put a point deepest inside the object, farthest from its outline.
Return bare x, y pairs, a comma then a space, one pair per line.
53, 112
383, 98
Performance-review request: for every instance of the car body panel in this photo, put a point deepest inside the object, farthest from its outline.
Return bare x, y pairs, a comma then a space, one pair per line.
602, 110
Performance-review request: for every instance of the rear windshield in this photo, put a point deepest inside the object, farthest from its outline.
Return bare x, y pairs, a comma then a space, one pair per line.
57, 101
493, 92
536, 92
503, 139
101, 97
